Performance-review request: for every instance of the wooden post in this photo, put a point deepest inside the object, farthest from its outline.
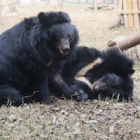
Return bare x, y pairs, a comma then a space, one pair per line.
125, 15
139, 4
120, 5
120, 8
130, 12
136, 16
130, 16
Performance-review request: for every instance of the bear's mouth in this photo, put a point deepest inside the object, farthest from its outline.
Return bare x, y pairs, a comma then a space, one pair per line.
65, 51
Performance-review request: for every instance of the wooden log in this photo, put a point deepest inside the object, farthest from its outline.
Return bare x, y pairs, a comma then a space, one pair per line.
136, 16
123, 43
130, 16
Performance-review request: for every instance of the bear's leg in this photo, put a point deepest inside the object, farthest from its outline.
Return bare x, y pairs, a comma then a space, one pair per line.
61, 86
80, 91
44, 92
80, 95
10, 96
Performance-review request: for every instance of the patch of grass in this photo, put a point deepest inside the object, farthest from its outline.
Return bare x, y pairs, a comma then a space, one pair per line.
71, 120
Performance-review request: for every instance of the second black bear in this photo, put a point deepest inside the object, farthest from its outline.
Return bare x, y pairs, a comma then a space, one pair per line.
92, 73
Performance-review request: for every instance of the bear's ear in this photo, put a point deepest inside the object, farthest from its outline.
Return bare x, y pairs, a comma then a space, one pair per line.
51, 18
64, 17
42, 18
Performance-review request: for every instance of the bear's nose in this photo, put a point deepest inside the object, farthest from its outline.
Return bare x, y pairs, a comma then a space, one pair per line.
95, 87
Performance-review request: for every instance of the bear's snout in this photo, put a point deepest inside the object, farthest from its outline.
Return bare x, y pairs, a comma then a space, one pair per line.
99, 86
64, 46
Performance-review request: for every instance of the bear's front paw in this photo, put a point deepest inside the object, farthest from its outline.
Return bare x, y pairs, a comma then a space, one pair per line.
48, 101
80, 95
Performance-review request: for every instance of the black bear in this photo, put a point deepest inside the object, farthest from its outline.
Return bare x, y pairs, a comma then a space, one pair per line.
92, 73
27, 52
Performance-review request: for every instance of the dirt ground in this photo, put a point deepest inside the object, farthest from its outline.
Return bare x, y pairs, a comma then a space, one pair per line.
67, 119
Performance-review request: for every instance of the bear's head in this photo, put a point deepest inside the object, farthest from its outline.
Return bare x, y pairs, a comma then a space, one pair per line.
62, 37
58, 32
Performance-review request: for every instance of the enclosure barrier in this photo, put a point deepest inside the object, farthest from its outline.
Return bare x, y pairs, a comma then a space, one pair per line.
130, 13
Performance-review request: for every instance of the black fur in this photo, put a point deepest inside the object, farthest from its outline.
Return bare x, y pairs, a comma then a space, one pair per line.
111, 77
112, 85
28, 51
